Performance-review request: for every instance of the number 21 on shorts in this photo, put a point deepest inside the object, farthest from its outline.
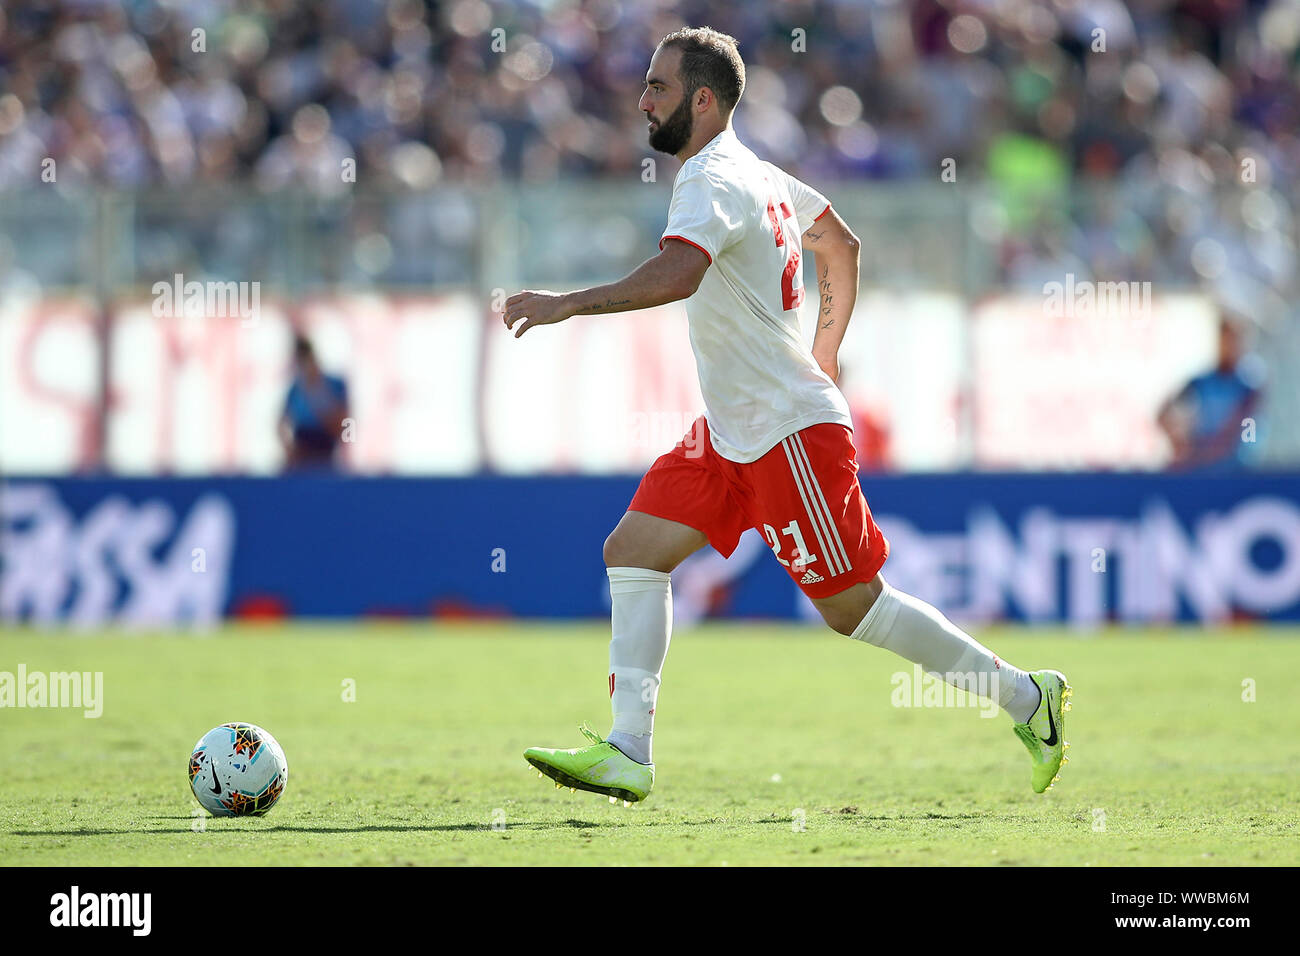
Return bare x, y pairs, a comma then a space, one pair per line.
800, 547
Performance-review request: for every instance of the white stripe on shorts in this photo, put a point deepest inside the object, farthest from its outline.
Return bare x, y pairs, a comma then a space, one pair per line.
830, 519
809, 503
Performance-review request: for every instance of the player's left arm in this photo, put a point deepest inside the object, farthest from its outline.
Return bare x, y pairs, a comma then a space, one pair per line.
835, 257
672, 275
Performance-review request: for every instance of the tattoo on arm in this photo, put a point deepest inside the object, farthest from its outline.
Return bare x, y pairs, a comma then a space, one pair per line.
824, 283
603, 307
814, 237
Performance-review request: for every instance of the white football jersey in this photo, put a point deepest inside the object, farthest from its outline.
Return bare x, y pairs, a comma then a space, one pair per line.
758, 377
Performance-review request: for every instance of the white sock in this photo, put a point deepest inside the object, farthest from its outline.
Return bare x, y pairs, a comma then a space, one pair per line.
642, 624
920, 633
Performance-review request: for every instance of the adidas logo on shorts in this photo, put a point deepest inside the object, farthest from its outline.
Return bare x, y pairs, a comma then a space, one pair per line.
812, 577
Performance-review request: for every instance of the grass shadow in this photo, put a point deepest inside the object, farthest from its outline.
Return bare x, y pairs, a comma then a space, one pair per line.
217, 822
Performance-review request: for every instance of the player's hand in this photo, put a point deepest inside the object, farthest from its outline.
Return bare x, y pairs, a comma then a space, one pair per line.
535, 308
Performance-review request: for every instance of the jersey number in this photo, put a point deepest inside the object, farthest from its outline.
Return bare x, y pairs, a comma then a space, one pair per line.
801, 557
792, 275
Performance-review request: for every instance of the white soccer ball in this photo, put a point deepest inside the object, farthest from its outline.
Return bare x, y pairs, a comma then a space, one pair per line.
237, 770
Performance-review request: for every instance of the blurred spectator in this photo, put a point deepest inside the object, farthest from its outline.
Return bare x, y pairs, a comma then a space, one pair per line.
314, 412
1204, 420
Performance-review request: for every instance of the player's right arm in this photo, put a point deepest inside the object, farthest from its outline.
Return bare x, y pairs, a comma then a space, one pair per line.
672, 275
835, 257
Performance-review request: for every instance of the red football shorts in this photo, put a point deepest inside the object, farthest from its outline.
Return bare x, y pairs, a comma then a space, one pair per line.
803, 496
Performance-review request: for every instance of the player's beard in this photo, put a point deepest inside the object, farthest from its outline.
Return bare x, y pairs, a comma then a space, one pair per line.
672, 135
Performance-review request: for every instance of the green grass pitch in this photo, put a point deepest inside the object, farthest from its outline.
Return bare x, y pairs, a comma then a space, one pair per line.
775, 745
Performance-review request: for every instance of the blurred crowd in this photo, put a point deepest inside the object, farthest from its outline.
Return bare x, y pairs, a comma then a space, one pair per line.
1186, 112
1184, 95
143, 91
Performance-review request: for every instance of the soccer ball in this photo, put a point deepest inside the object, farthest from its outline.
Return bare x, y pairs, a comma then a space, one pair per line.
237, 770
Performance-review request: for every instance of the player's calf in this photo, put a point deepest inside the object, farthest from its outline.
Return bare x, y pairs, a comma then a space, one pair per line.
920, 633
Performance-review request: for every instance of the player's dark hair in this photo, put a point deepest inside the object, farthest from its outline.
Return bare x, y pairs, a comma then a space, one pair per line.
711, 59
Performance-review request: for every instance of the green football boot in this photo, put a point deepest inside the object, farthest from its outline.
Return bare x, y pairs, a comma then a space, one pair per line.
1044, 734
599, 768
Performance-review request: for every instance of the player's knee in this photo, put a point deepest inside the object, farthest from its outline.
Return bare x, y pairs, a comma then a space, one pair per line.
841, 621
619, 551
843, 612
626, 550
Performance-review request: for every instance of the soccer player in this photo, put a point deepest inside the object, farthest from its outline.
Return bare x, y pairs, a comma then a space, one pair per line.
774, 450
